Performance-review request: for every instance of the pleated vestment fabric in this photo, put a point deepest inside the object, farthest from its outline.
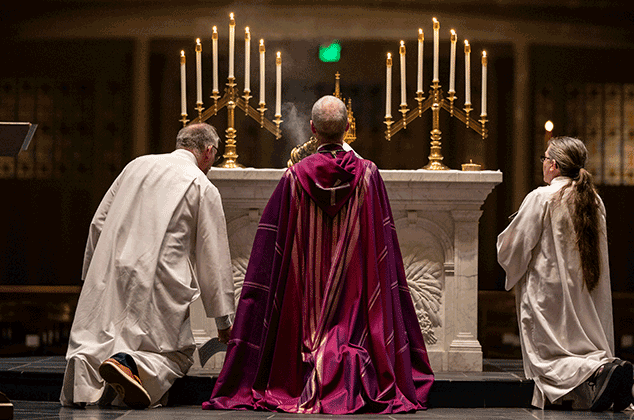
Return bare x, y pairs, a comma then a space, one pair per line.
566, 332
325, 321
157, 241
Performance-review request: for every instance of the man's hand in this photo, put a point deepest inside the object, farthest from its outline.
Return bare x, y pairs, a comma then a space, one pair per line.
225, 335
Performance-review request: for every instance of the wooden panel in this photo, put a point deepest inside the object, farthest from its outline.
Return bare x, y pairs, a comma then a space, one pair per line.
594, 130
612, 151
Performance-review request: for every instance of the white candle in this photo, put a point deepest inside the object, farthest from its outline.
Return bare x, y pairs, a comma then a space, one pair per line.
452, 63
388, 90
484, 84
419, 82
402, 53
232, 36
278, 85
199, 72
247, 59
262, 51
436, 46
467, 73
214, 44
183, 86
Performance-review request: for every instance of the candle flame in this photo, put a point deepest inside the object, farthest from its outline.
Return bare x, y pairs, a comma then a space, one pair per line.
246, 29
402, 43
231, 16
434, 19
198, 41
389, 56
549, 126
466, 42
420, 31
215, 29
484, 53
262, 42
182, 53
279, 54
453, 32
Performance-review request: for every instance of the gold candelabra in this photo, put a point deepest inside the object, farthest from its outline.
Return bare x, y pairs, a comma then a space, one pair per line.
436, 100
231, 98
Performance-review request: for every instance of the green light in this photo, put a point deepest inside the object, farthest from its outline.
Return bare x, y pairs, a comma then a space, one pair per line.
330, 53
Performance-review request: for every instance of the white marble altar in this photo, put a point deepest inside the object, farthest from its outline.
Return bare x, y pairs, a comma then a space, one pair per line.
436, 215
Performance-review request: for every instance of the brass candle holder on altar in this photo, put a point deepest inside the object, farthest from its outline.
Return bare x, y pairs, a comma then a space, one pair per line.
436, 100
231, 98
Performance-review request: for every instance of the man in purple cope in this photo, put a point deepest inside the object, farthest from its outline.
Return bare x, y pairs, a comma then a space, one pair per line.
325, 321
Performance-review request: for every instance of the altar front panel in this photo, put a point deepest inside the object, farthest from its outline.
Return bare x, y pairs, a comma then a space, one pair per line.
436, 215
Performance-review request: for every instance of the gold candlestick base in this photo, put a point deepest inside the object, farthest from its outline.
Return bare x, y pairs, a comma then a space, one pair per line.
215, 95
388, 122
262, 108
436, 166
246, 98
199, 108
278, 121
404, 112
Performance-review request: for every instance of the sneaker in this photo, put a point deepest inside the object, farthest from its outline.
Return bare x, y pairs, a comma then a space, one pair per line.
623, 397
605, 383
121, 373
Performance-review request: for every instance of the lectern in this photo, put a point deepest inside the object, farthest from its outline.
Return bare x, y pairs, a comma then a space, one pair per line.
15, 137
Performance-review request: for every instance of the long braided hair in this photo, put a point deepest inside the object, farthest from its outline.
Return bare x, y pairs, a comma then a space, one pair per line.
571, 154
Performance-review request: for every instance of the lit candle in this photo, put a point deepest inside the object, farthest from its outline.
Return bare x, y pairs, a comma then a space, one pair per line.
262, 51
436, 44
549, 131
199, 72
467, 73
452, 64
388, 91
214, 44
183, 86
232, 36
484, 84
278, 85
402, 53
247, 59
419, 83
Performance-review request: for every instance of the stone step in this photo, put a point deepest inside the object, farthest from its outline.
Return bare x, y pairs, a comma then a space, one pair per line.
501, 384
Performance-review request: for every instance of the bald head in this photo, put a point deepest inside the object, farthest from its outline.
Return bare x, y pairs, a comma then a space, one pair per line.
329, 119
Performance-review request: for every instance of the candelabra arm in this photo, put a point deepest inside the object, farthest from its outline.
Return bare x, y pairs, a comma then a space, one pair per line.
258, 115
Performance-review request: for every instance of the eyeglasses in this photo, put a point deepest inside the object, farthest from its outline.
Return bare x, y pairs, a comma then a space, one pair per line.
217, 157
543, 158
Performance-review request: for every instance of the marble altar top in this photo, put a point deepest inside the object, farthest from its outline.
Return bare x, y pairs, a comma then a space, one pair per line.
389, 175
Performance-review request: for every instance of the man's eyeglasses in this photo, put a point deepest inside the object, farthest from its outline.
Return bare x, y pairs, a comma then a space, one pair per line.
543, 158
217, 156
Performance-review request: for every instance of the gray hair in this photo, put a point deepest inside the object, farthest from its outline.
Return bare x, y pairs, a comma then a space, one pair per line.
330, 118
197, 137
570, 154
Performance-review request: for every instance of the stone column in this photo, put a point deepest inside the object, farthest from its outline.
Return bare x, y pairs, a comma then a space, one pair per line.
465, 352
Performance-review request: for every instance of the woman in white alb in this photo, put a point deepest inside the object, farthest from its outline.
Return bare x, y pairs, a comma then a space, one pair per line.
555, 254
